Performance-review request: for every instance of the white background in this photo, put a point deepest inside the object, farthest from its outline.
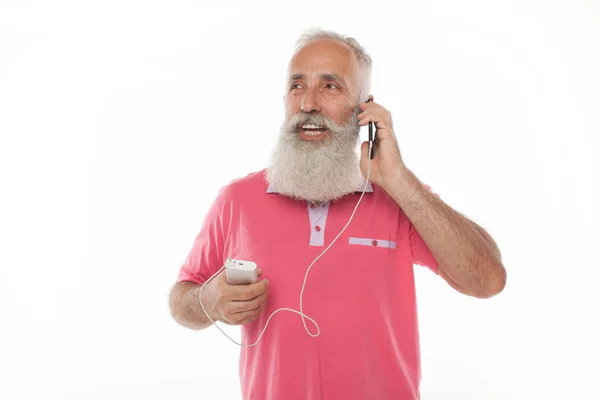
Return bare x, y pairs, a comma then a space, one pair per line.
120, 121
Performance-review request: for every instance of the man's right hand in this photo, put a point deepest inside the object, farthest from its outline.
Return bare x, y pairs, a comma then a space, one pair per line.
234, 304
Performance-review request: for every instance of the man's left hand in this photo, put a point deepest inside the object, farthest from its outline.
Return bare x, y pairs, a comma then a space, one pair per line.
387, 162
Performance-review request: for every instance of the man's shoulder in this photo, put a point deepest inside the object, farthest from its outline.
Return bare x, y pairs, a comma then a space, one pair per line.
252, 183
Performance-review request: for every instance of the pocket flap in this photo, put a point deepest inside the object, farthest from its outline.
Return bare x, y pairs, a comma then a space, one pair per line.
372, 242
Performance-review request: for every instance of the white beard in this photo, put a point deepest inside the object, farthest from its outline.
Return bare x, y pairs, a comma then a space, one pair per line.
317, 171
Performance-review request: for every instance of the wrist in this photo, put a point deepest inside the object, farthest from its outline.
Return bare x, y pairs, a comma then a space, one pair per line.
206, 307
400, 182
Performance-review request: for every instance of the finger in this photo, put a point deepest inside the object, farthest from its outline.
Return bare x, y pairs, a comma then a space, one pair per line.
249, 316
379, 120
364, 106
248, 305
363, 121
363, 115
243, 306
248, 292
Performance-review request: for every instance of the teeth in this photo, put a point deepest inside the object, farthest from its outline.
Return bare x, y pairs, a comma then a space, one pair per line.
311, 126
312, 133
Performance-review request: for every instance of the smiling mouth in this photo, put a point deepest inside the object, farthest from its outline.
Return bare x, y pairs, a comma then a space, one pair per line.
312, 131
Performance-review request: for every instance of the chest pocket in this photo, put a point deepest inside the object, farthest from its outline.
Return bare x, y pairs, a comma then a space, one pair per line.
372, 242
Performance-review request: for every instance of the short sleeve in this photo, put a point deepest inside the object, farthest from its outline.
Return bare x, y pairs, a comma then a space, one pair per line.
420, 252
205, 257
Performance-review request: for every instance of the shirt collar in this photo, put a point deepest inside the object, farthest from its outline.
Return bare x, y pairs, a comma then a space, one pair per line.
369, 188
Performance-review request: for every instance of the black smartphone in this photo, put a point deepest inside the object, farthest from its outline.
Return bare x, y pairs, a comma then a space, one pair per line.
372, 135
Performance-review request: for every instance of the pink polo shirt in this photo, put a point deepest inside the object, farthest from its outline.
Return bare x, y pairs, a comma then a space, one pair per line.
361, 292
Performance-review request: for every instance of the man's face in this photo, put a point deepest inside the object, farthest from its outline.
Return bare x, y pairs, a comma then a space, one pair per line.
323, 80
315, 157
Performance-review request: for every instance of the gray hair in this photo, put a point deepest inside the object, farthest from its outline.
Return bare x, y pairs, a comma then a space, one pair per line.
364, 60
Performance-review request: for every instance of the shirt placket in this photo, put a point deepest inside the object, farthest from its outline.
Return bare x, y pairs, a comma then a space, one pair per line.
318, 220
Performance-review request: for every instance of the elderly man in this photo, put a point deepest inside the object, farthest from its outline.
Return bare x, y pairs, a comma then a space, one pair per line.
361, 292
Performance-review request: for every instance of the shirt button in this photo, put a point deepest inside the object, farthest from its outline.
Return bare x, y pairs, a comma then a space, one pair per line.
374, 242
318, 228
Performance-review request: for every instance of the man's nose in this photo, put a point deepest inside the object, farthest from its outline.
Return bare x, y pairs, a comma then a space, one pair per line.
310, 102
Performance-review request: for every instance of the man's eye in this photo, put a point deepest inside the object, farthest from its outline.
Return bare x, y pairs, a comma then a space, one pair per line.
294, 86
332, 86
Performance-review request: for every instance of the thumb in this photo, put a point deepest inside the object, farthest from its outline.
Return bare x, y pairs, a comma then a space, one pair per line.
259, 272
364, 155
364, 150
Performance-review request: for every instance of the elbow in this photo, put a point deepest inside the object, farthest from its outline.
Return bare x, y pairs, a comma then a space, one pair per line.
174, 304
496, 284
177, 307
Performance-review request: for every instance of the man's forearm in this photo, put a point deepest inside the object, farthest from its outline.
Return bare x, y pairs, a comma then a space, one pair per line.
463, 250
185, 306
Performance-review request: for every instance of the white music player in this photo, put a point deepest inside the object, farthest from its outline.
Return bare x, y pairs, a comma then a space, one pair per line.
240, 272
